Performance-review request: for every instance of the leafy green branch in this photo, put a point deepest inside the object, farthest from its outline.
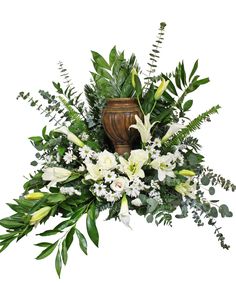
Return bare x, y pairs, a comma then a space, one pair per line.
191, 127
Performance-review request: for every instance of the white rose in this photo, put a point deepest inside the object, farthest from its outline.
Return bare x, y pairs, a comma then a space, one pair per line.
120, 184
94, 172
106, 160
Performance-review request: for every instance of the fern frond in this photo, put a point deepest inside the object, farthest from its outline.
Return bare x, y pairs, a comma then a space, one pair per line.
155, 55
193, 143
191, 127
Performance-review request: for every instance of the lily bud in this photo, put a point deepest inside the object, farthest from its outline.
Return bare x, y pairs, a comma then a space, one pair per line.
187, 173
173, 129
133, 74
160, 90
34, 196
124, 212
70, 136
39, 215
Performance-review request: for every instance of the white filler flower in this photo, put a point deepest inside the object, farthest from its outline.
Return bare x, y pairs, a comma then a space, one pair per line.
55, 175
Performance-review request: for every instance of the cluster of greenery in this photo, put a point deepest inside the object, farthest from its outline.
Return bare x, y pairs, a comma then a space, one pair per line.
113, 79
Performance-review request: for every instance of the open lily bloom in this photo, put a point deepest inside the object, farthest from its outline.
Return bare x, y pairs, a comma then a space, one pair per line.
144, 128
55, 175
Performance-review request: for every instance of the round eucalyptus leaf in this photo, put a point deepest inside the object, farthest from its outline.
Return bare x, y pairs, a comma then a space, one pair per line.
205, 180
212, 191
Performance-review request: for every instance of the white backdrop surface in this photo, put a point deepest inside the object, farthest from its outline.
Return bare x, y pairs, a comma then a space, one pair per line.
34, 36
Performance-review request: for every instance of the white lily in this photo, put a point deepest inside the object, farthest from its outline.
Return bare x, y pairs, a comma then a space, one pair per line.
55, 175
164, 166
106, 160
144, 128
186, 189
124, 212
133, 166
173, 129
70, 136
162, 87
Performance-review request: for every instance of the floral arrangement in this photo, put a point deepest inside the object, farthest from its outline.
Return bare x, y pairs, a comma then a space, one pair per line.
78, 173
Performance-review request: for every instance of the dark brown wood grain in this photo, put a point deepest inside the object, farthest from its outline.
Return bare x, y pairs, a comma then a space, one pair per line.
117, 117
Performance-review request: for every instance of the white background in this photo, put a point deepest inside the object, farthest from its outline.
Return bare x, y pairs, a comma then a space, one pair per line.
34, 36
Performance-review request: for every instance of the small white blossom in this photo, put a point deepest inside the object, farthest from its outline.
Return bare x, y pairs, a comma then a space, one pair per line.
157, 196
110, 176
155, 185
110, 197
157, 142
84, 136
134, 189
85, 152
69, 157
100, 190
136, 202
69, 191
81, 168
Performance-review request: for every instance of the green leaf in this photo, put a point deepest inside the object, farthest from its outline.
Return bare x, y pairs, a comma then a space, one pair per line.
49, 233
82, 241
205, 180
58, 87
194, 69
43, 244
34, 163
7, 236
91, 225
10, 224
212, 191
64, 252
138, 86
187, 105
112, 56
54, 198
47, 251
58, 263
183, 73
224, 211
177, 77
202, 81
36, 139
213, 212
100, 60
152, 205
69, 237
149, 218
6, 244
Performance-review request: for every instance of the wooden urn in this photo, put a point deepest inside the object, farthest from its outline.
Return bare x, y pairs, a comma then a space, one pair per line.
117, 117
